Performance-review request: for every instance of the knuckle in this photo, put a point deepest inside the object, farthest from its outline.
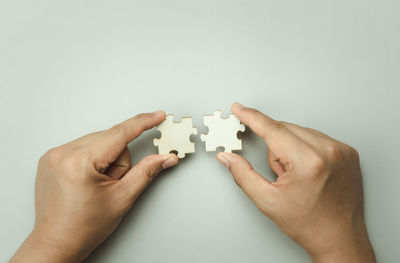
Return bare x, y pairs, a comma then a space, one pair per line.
75, 162
332, 150
117, 129
150, 172
288, 124
272, 125
317, 164
277, 124
353, 152
254, 113
53, 155
69, 163
141, 116
238, 179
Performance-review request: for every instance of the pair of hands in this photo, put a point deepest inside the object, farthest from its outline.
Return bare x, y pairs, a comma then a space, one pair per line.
85, 187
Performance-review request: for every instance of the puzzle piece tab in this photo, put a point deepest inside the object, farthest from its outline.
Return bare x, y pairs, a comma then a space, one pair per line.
175, 136
222, 132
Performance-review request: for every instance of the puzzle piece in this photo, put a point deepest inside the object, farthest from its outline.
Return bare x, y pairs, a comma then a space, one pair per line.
222, 132
175, 136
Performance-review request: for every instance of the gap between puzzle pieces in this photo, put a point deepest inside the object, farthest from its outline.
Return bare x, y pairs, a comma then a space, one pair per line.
175, 136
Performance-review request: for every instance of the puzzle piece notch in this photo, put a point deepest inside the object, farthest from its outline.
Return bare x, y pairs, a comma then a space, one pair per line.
222, 132
175, 136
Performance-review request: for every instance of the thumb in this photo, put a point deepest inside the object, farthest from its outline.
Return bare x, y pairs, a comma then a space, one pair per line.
140, 175
251, 182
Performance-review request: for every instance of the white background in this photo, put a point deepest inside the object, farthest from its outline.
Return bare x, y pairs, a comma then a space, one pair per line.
68, 68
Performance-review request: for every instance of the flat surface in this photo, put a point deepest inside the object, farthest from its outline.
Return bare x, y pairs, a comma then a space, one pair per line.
68, 68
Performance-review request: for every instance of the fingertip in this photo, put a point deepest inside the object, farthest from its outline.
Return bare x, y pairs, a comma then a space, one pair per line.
160, 114
169, 161
237, 107
229, 156
232, 160
221, 158
158, 117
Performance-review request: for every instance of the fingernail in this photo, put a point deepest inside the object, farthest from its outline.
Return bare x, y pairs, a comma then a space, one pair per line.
239, 105
171, 161
158, 112
223, 160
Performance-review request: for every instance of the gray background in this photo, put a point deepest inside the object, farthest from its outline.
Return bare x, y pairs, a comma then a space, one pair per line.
68, 68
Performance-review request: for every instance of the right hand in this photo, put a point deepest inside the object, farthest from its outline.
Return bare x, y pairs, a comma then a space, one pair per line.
317, 199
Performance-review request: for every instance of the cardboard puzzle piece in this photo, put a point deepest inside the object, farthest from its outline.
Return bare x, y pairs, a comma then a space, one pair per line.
222, 132
175, 136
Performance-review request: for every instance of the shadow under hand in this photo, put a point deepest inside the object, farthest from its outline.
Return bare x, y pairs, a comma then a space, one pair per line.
255, 150
145, 144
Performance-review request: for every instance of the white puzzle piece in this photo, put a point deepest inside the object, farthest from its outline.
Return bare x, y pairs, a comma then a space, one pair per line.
222, 132
175, 136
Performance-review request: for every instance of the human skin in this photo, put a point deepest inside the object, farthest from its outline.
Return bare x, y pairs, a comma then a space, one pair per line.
85, 187
317, 199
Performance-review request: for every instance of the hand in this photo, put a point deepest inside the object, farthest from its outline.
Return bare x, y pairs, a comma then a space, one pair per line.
317, 199
85, 187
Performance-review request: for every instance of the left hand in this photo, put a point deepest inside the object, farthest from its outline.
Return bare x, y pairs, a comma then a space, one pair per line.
85, 187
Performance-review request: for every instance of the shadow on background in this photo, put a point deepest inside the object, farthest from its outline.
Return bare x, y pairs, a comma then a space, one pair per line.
139, 148
254, 149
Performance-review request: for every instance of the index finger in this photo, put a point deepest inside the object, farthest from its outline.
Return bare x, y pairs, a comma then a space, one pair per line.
110, 143
280, 140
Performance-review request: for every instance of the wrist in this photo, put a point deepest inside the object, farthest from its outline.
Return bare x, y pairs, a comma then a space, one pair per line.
38, 248
358, 249
354, 255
